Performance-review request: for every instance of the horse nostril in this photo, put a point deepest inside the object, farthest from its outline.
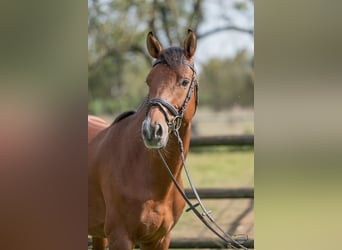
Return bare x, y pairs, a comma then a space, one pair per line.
158, 131
146, 130
146, 134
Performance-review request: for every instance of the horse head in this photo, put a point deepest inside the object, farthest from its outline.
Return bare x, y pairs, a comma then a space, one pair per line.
171, 101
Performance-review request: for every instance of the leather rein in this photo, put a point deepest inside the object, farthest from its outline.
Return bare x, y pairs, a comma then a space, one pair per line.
174, 124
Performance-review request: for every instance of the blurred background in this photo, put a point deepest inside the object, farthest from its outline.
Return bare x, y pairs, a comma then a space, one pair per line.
118, 63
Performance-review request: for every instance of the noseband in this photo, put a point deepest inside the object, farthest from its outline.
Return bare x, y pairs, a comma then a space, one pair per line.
176, 122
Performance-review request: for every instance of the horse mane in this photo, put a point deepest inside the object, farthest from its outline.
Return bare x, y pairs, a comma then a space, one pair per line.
123, 116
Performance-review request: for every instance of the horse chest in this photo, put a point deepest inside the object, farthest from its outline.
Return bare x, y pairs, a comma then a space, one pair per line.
156, 218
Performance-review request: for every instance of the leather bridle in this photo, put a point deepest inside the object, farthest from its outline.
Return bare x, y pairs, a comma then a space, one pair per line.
176, 122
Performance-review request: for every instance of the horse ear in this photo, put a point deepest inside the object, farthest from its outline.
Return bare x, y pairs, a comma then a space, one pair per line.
153, 45
190, 44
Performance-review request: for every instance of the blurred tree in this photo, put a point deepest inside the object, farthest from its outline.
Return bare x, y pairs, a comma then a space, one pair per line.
228, 82
117, 57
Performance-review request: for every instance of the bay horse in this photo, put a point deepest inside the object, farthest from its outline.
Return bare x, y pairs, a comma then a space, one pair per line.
131, 198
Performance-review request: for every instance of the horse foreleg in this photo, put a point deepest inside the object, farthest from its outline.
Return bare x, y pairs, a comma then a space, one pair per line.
162, 244
99, 243
120, 242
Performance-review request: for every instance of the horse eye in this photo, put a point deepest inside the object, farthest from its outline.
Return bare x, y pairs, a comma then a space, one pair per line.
185, 83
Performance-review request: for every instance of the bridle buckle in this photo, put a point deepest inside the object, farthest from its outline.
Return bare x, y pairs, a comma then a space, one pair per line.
176, 123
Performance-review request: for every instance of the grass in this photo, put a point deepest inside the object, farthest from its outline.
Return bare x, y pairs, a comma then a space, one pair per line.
222, 167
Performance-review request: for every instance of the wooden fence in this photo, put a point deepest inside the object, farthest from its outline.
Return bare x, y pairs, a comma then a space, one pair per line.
207, 243
222, 193
227, 140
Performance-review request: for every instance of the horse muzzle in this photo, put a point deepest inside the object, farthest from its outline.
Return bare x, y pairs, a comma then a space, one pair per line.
155, 135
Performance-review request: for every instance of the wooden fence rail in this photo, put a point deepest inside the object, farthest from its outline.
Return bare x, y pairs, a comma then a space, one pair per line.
207, 243
200, 243
234, 140
222, 193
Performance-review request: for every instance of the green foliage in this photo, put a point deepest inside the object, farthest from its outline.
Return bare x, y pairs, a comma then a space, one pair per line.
118, 87
227, 82
240, 6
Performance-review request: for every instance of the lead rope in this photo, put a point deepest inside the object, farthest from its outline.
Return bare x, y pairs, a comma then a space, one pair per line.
205, 213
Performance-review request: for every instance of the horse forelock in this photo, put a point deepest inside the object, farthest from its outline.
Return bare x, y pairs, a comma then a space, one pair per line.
173, 57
